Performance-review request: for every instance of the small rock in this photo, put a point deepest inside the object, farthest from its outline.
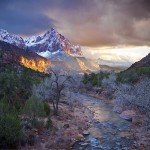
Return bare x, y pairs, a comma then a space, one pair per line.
86, 132
82, 139
84, 144
79, 137
128, 115
66, 126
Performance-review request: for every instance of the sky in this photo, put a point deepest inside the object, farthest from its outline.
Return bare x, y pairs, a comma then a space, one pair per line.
115, 30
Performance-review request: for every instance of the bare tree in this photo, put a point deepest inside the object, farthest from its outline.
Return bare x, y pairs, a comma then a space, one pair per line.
52, 89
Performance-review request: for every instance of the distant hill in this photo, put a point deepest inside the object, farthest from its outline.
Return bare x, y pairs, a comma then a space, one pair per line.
124, 63
115, 69
137, 71
144, 62
80, 64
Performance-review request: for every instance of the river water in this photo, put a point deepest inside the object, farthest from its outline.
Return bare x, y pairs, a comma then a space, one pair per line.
107, 130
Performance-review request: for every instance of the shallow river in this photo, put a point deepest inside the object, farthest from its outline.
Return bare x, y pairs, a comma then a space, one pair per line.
107, 130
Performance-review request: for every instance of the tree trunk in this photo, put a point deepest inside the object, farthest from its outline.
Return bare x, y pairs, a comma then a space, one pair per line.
54, 108
57, 103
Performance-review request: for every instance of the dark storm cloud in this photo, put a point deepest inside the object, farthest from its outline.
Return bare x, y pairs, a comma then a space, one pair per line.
22, 24
24, 17
91, 23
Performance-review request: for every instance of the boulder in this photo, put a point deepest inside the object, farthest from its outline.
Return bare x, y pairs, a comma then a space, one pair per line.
128, 115
86, 132
79, 137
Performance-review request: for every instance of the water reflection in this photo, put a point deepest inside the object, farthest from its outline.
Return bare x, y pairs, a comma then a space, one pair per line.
106, 128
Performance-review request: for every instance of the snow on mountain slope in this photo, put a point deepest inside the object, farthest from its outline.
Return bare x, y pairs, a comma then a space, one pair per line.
11, 38
52, 42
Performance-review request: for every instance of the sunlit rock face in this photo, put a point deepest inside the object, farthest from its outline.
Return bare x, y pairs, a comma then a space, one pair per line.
82, 65
10, 54
35, 64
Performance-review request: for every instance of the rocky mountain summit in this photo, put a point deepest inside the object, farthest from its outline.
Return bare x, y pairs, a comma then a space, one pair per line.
48, 44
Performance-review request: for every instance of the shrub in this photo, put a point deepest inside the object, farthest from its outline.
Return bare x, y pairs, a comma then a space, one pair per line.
124, 97
16, 87
95, 79
49, 123
8, 85
129, 76
109, 85
10, 127
143, 71
134, 96
132, 75
109, 82
47, 109
34, 109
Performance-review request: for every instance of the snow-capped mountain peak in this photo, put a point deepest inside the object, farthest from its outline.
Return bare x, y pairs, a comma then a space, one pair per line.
52, 42
46, 45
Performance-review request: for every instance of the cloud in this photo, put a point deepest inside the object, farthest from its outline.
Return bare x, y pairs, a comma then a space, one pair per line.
92, 23
24, 17
105, 22
117, 56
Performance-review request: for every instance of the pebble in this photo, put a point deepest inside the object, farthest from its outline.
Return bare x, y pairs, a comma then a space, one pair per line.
80, 136
84, 144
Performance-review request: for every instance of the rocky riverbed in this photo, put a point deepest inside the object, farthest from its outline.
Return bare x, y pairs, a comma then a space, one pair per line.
91, 124
107, 130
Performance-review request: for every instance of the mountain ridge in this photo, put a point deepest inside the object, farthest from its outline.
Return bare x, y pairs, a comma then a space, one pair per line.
144, 62
54, 47
13, 54
51, 41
